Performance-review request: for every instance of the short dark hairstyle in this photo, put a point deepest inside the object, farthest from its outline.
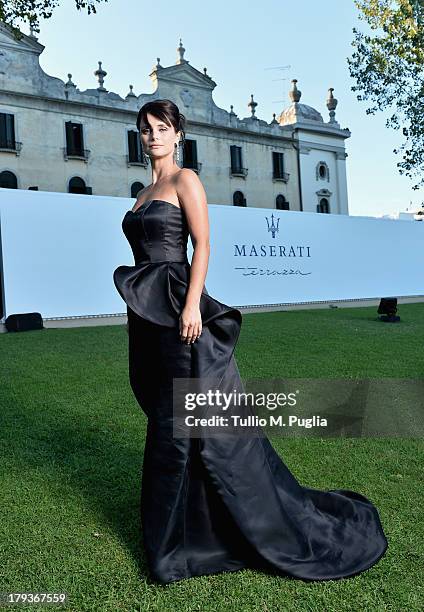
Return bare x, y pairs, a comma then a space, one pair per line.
166, 111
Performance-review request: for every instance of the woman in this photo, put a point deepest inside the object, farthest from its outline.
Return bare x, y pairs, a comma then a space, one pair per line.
212, 504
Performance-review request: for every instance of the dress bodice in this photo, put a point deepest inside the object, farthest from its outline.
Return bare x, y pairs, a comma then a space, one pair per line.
157, 231
155, 287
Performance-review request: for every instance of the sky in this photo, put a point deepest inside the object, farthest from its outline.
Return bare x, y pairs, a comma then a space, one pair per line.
247, 48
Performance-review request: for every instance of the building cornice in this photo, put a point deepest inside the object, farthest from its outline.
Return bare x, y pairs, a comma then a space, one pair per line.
306, 147
74, 106
321, 128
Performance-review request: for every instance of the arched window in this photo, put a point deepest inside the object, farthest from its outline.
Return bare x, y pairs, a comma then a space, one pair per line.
77, 185
281, 203
8, 180
323, 206
239, 199
135, 188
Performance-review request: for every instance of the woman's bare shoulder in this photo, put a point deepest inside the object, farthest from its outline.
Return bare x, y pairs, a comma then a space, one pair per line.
187, 179
187, 174
190, 190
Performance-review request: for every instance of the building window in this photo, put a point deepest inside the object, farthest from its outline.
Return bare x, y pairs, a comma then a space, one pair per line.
7, 131
136, 188
77, 185
239, 199
322, 171
8, 180
281, 203
278, 173
277, 164
323, 206
236, 167
75, 141
236, 159
190, 155
135, 151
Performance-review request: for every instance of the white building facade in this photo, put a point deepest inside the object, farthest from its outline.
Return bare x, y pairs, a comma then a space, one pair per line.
54, 137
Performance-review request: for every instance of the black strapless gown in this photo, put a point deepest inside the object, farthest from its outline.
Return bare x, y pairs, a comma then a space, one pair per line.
211, 504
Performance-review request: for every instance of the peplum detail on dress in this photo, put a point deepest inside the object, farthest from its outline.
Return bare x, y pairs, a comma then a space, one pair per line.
157, 292
155, 288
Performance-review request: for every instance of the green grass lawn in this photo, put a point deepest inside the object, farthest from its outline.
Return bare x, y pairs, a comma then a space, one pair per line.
72, 439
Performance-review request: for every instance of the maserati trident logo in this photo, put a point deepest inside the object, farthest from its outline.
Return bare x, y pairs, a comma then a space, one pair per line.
254, 250
273, 228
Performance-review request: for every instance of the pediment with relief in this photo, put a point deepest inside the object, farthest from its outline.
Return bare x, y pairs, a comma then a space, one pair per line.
26, 43
186, 74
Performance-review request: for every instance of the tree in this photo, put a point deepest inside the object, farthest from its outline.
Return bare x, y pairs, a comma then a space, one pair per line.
31, 11
389, 71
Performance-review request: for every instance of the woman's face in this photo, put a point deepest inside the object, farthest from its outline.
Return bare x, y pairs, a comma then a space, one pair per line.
158, 138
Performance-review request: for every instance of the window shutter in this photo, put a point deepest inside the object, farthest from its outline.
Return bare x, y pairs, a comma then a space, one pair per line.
239, 162
189, 154
194, 154
74, 138
185, 152
138, 147
233, 157
2, 129
7, 131
69, 137
236, 158
277, 164
132, 146
10, 131
79, 138
274, 163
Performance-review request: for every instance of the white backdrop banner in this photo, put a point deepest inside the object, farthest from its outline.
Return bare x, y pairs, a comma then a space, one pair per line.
59, 252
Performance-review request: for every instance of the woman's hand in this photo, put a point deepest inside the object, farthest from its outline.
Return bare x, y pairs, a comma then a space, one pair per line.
190, 323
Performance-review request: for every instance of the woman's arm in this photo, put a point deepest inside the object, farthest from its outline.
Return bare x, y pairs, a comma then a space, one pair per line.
192, 197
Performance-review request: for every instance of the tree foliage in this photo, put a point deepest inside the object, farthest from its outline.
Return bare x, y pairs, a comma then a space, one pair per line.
388, 65
31, 11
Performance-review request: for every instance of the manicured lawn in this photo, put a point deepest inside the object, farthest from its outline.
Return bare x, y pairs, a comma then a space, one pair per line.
72, 437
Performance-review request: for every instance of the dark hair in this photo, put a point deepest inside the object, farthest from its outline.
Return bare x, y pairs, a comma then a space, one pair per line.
166, 111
